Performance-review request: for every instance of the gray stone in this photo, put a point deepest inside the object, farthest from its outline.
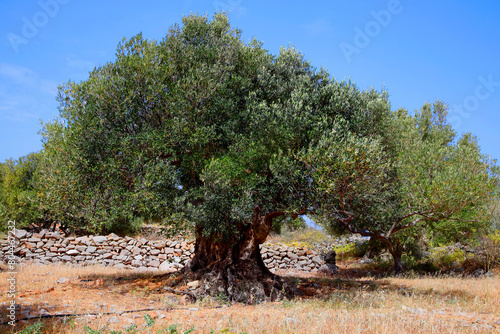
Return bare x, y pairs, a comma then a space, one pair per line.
328, 269
73, 252
136, 263
113, 320
160, 245
63, 280
19, 234
82, 240
113, 237
193, 285
81, 248
91, 249
55, 235
100, 239
43, 312
154, 263
316, 260
167, 267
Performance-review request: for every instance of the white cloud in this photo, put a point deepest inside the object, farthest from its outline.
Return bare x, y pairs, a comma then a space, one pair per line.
24, 95
74, 62
318, 27
18, 75
15, 108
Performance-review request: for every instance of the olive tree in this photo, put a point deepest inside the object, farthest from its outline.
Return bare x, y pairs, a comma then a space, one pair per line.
415, 178
202, 131
19, 191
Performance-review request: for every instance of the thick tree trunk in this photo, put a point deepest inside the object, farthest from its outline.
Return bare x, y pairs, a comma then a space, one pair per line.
234, 268
396, 251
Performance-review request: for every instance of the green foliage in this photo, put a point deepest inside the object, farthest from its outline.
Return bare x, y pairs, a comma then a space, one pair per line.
442, 257
302, 237
203, 131
197, 129
172, 329
289, 224
36, 328
89, 330
19, 191
412, 179
149, 321
132, 329
348, 250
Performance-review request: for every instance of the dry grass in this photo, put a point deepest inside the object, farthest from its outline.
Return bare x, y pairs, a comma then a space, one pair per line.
348, 303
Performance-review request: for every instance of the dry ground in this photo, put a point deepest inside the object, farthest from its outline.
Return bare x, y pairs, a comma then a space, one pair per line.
106, 300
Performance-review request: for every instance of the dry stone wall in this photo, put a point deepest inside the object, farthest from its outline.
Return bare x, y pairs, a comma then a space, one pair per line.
126, 252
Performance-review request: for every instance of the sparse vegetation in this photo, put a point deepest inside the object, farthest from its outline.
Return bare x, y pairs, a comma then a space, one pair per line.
352, 302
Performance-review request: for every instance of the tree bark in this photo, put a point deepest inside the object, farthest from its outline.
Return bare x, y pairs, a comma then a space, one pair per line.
234, 268
396, 251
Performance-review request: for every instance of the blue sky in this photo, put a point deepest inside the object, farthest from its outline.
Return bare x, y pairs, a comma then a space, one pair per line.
418, 51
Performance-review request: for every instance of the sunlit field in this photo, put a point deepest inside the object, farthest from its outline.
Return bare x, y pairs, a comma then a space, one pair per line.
103, 300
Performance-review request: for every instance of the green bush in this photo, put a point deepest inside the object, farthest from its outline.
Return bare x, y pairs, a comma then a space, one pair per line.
303, 237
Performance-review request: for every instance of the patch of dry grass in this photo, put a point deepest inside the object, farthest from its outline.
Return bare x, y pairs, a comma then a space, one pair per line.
344, 304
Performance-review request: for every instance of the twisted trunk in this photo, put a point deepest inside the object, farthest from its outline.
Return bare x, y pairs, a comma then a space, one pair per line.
234, 267
396, 251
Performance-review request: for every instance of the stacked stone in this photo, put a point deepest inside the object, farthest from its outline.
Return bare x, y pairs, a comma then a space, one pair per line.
282, 257
126, 252
52, 247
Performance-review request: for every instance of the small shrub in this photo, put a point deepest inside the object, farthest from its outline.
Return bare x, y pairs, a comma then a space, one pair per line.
302, 237
36, 328
89, 330
149, 321
172, 329
132, 329
444, 258
351, 250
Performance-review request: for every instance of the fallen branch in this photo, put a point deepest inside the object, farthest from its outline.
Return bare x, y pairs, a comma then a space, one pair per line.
80, 314
192, 295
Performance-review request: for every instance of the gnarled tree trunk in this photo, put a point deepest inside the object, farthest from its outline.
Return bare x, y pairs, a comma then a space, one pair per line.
396, 250
234, 267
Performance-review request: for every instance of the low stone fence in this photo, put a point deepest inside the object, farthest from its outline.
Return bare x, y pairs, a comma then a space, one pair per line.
125, 252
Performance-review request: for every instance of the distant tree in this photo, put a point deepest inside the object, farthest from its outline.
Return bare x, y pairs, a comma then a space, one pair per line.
412, 179
203, 131
18, 191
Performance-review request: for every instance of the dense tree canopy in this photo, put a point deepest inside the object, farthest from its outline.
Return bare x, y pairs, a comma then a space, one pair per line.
205, 132
420, 177
18, 191
202, 130
199, 125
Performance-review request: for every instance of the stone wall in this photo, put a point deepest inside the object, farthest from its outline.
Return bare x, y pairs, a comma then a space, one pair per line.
125, 252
